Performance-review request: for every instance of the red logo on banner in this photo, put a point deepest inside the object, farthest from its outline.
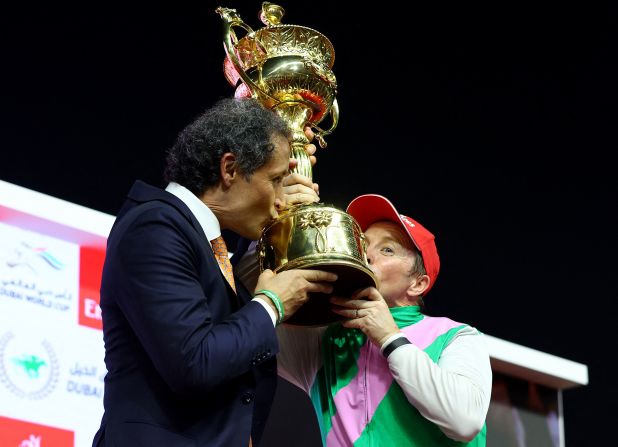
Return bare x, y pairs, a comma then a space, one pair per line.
90, 269
26, 434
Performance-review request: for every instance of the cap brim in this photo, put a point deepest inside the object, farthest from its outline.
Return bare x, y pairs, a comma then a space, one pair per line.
370, 208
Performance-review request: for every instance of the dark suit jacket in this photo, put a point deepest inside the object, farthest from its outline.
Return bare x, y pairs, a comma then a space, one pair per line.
189, 362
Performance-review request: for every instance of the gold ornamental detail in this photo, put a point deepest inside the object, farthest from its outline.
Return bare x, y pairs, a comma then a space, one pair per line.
319, 220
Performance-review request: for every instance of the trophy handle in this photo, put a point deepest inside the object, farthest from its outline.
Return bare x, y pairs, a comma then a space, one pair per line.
320, 133
231, 19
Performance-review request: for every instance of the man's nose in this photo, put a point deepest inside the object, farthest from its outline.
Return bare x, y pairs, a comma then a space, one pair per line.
279, 205
279, 200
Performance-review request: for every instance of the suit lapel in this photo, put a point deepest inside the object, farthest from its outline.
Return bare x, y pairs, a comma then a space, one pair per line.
142, 192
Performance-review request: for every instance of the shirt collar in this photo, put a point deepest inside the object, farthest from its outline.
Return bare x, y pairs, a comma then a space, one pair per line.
206, 218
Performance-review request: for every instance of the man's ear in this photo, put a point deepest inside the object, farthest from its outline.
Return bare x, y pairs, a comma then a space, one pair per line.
418, 286
228, 169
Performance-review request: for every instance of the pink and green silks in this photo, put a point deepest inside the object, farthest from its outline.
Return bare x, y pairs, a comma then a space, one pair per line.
358, 402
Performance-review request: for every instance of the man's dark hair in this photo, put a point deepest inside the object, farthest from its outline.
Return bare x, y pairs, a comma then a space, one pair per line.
240, 126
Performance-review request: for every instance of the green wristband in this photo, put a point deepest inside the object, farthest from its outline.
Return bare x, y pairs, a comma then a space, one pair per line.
276, 301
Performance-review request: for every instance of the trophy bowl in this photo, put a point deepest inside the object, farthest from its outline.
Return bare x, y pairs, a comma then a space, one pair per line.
321, 237
288, 68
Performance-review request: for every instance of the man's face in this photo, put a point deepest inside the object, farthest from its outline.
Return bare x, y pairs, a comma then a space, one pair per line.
255, 198
390, 256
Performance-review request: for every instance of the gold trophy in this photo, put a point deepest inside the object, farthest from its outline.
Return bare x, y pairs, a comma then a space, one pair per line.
288, 68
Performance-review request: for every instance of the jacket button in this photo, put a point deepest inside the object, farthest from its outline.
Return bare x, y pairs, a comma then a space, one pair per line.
247, 398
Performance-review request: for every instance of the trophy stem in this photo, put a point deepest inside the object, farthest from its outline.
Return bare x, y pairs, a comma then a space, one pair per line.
304, 164
297, 114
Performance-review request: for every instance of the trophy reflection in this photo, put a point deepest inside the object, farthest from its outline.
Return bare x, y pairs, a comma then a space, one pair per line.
288, 68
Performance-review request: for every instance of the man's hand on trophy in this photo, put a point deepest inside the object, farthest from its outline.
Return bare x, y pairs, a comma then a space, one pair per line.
297, 188
309, 147
366, 310
293, 287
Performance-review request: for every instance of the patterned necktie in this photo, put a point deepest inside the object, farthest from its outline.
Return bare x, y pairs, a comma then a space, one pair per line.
220, 250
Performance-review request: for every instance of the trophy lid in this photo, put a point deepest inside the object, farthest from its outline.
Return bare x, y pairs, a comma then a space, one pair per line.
277, 39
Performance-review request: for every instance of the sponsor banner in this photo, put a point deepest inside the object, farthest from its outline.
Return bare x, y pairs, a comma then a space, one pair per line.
29, 366
33, 367
53, 377
16, 433
38, 275
51, 360
90, 268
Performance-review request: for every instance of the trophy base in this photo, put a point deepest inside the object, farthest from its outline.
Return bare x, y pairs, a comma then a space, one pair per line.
317, 310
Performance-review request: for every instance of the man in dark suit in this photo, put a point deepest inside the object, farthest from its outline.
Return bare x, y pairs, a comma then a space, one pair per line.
190, 352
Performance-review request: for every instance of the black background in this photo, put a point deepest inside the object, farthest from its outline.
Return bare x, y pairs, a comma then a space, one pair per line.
492, 124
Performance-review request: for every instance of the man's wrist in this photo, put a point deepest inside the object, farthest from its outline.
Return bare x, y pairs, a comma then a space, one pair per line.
276, 301
386, 340
394, 343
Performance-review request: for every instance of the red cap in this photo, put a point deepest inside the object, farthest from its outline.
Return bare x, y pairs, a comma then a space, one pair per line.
371, 208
